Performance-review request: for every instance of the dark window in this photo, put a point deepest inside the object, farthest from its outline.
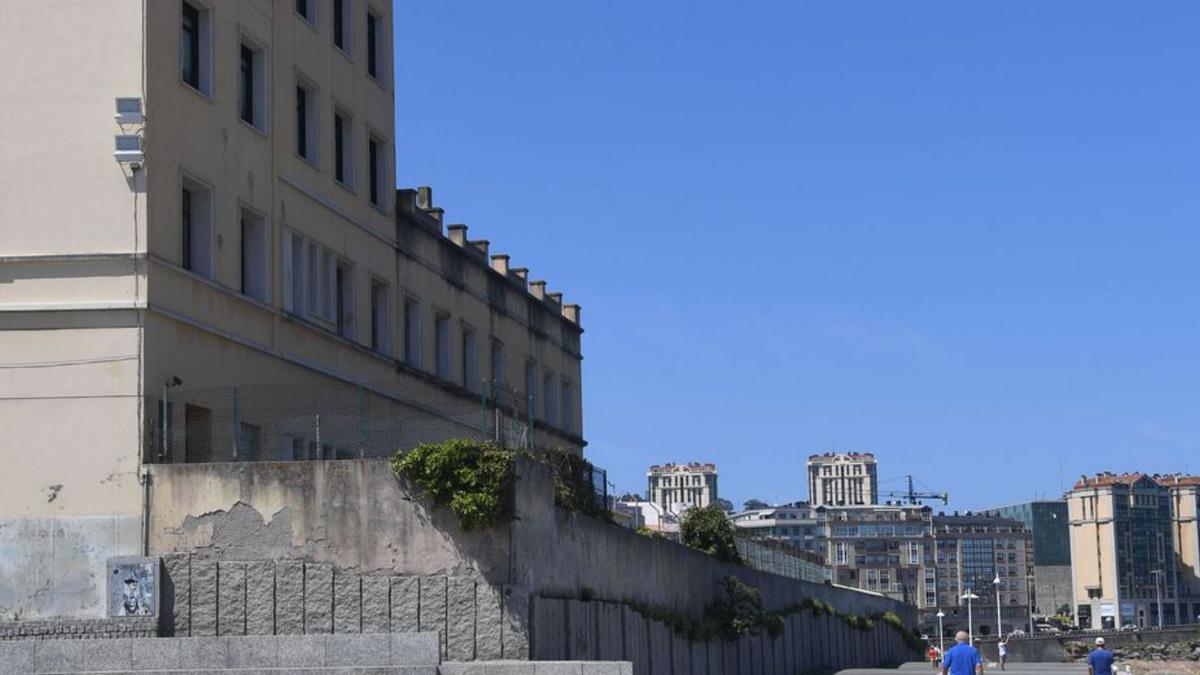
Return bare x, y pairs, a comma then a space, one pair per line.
339, 23
302, 9
189, 45
302, 122
372, 45
247, 84
339, 148
186, 258
373, 160
197, 431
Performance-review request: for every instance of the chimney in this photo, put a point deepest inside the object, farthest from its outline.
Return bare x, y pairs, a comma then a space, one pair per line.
500, 263
538, 289
424, 198
571, 312
406, 200
481, 245
457, 234
556, 298
521, 274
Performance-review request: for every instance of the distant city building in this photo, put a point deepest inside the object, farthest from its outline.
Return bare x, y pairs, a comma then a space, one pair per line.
1134, 545
794, 524
1047, 522
973, 551
679, 487
647, 514
880, 548
843, 479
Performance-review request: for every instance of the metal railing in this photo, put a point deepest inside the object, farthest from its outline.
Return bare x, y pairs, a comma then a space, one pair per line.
287, 423
780, 558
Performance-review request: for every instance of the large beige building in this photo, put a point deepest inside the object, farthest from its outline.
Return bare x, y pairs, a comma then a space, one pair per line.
197, 203
1134, 548
843, 479
679, 487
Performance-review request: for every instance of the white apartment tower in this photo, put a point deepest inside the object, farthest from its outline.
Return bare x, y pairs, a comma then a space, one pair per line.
199, 196
679, 487
843, 479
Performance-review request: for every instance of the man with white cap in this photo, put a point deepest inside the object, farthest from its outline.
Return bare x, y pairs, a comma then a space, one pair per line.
962, 658
1100, 661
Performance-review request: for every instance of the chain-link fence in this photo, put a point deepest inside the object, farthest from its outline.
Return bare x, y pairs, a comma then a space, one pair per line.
780, 558
283, 423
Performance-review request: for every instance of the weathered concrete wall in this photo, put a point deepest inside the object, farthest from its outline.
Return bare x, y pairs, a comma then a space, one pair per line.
472, 619
577, 630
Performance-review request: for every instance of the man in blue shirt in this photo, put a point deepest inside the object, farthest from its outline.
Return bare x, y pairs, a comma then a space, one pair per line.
962, 658
1100, 661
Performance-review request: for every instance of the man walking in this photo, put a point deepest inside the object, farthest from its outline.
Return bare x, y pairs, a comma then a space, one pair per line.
962, 658
1100, 661
1002, 648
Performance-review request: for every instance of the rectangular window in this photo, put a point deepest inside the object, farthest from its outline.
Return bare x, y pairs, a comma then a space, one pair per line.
343, 21
306, 9
195, 51
313, 278
840, 553
197, 434
249, 442
254, 255
470, 360
375, 41
549, 400
375, 166
342, 144
196, 228
496, 374
379, 316
294, 269
252, 92
531, 389
441, 328
412, 332
328, 281
306, 122
568, 410
344, 292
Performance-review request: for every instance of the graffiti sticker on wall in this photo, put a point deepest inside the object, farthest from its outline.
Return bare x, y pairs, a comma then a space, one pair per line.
132, 586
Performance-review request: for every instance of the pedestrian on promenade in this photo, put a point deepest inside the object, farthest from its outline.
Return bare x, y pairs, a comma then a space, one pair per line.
1003, 649
962, 658
934, 657
1100, 661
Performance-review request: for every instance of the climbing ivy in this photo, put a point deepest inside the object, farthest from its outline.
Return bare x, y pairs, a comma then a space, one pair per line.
474, 479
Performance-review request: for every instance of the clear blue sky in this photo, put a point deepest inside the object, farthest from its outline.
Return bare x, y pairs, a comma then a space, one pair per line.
961, 235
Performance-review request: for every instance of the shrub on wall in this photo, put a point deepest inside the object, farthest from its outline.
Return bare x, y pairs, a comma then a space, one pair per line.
708, 529
474, 479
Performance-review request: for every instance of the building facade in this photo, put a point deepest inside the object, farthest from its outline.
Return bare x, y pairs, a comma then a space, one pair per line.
795, 524
990, 557
1132, 550
239, 280
843, 479
1047, 522
885, 549
679, 487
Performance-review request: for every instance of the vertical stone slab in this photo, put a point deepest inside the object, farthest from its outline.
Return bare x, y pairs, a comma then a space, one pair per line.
699, 658
681, 655
745, 664
231, 598
660, 647
715, 659
376, 608
488, 645
289, 597
783, 650
433, 607
635, 641
610, 632
460, 619
318, 599
405, 604
260, 598
176, 595
514, 629
347, 602
550, 630
581, 630
204, 598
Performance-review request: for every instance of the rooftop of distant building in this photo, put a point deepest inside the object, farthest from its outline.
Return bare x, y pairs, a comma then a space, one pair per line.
842, 456
1108, 478
690, 467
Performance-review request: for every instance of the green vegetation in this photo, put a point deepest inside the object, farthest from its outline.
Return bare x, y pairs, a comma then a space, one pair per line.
709, 530
474, 479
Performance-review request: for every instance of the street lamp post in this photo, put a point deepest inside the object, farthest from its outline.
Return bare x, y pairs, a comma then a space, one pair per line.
941, 633
969, 596
1029, 599
1157, 574
999, 629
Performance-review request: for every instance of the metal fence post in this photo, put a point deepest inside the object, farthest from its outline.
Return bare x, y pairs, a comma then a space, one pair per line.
362, 424
236, 427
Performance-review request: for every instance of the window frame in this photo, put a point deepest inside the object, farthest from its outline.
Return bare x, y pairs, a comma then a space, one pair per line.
309, 17
188, 182
265, 245
343, 147
312, 120
260, 89
344, 19
205, 44
377, 53
381, 329
377, 170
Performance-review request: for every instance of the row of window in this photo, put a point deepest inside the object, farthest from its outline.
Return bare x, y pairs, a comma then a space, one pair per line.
196, 71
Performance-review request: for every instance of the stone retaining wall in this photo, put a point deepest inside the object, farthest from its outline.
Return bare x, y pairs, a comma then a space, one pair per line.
474, 620
66, 629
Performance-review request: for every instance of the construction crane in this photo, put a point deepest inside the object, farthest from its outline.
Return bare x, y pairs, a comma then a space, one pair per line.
914, 497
